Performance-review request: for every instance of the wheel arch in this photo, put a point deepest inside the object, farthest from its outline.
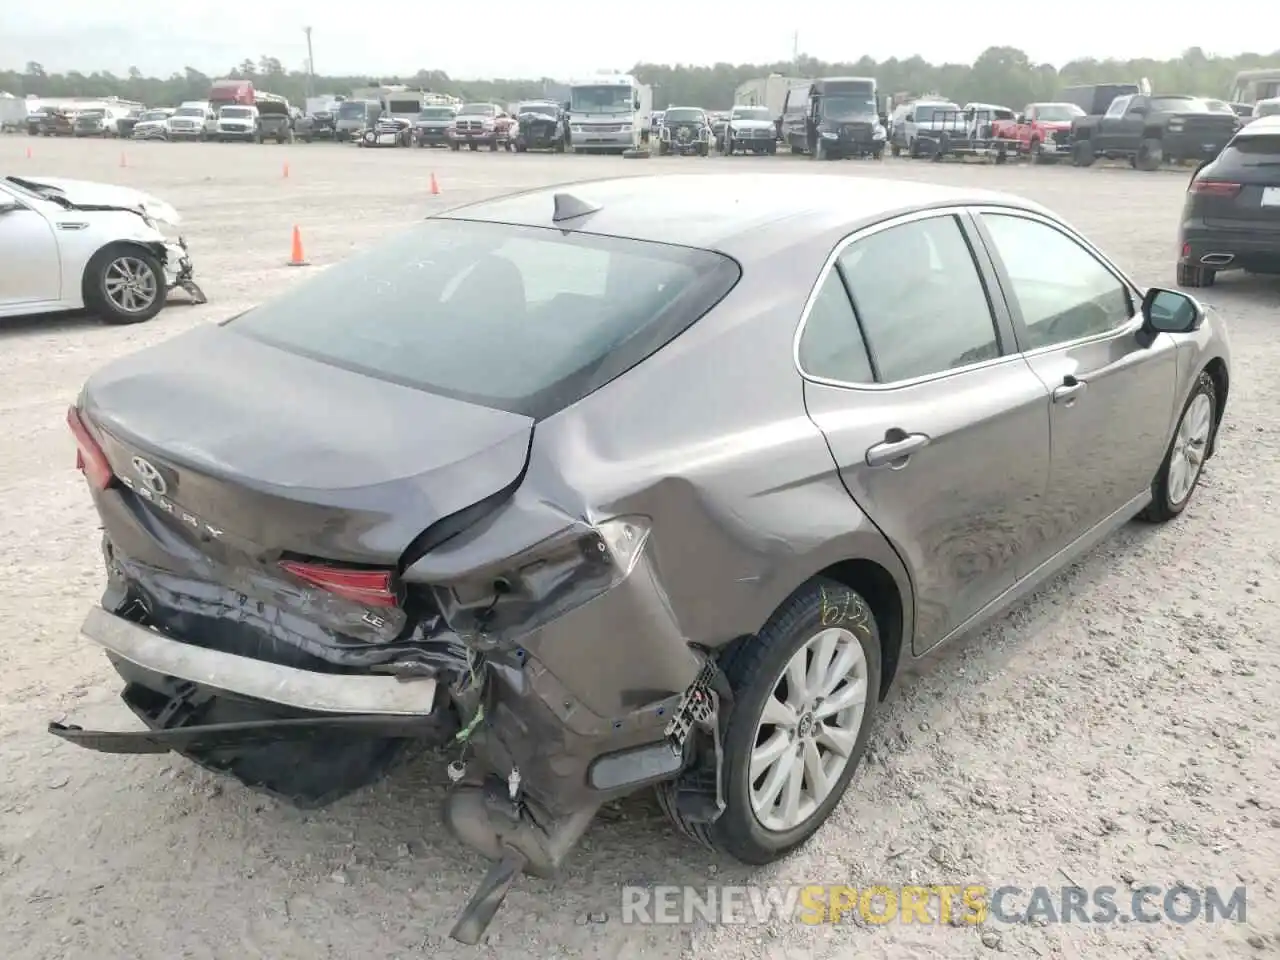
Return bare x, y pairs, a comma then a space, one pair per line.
153, 248
880, 589
882, 582
1217, 371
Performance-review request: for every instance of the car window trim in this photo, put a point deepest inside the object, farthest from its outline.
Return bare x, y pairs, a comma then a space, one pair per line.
1005, 282
1002, 321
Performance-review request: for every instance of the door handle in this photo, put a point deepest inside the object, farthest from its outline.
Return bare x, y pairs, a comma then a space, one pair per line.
1070, 389
895, 452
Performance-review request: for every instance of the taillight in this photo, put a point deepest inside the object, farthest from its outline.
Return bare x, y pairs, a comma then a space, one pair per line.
1215, 188
373, 588
90, 460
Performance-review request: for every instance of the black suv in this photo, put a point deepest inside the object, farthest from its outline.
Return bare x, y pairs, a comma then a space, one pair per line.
1231, 216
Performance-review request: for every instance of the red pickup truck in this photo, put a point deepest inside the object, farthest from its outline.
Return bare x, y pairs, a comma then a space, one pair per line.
1041, 132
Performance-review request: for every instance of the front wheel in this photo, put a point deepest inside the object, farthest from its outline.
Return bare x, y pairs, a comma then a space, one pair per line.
124, 284
1184, 462
1082, 154
806, 689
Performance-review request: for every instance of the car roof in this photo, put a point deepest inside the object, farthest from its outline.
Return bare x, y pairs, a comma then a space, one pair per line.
730, 211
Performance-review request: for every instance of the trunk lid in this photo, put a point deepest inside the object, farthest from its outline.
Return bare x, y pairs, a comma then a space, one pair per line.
270, 452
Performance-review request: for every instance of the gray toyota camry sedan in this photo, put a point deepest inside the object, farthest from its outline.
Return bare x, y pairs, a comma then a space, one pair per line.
654, 481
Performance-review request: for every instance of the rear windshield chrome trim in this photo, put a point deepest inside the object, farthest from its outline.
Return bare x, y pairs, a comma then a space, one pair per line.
955, 210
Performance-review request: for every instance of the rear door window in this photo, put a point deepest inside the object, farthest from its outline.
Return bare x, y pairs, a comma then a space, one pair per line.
920, 299
831, 344
525, 319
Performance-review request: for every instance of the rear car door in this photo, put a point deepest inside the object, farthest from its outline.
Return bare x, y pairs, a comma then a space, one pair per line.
31, 270
1077, 320
939, 429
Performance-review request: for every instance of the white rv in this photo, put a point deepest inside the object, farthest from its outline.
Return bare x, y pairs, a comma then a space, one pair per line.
609, 113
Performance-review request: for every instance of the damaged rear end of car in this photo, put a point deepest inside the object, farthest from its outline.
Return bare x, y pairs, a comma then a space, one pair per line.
325, 547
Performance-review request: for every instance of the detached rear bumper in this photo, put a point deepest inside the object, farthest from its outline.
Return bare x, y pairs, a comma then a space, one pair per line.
307, 690
306, 737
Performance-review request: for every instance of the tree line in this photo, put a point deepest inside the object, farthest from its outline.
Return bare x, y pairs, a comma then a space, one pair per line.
1003, 75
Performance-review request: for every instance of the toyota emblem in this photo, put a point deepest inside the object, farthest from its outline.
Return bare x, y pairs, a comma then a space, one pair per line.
150, 476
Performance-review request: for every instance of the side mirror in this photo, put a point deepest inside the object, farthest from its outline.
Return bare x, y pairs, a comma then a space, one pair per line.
10, 207
636, 103
1138, 111
1168, 311
1021, 118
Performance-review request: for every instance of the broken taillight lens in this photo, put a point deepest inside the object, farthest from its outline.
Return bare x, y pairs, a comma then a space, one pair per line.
90, 460
372, 588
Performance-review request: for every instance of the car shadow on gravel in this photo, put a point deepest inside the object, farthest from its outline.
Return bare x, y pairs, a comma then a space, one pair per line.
42, 323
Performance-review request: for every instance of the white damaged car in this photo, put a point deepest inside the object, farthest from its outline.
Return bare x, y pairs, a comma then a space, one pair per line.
750, 129
73, 244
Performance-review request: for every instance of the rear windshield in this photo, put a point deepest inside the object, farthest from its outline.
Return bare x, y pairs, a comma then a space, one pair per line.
1179, 105
524, 319
436, 113
1252, 151
936, 112
684, 116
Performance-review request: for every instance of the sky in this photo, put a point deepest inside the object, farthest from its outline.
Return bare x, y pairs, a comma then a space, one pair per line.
564, 38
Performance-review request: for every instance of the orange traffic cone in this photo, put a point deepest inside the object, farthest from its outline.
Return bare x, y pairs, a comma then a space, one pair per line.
435, 187
286, 169
123, 161
296, 256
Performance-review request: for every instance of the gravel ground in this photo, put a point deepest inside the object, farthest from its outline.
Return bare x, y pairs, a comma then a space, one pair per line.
1119, 727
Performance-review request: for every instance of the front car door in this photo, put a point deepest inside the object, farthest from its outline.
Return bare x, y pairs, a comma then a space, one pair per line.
1077, 320
30, 265
939, 429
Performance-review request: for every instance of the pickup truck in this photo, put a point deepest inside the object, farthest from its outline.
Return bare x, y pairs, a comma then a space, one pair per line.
1148, 130
1041, 132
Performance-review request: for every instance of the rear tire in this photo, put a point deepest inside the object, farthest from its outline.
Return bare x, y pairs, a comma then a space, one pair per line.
109, 269
827, 618
1179, 474
1192, 275
1082, 154
1150, 155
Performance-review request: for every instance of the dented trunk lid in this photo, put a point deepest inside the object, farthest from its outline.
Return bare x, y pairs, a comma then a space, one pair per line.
273, 452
